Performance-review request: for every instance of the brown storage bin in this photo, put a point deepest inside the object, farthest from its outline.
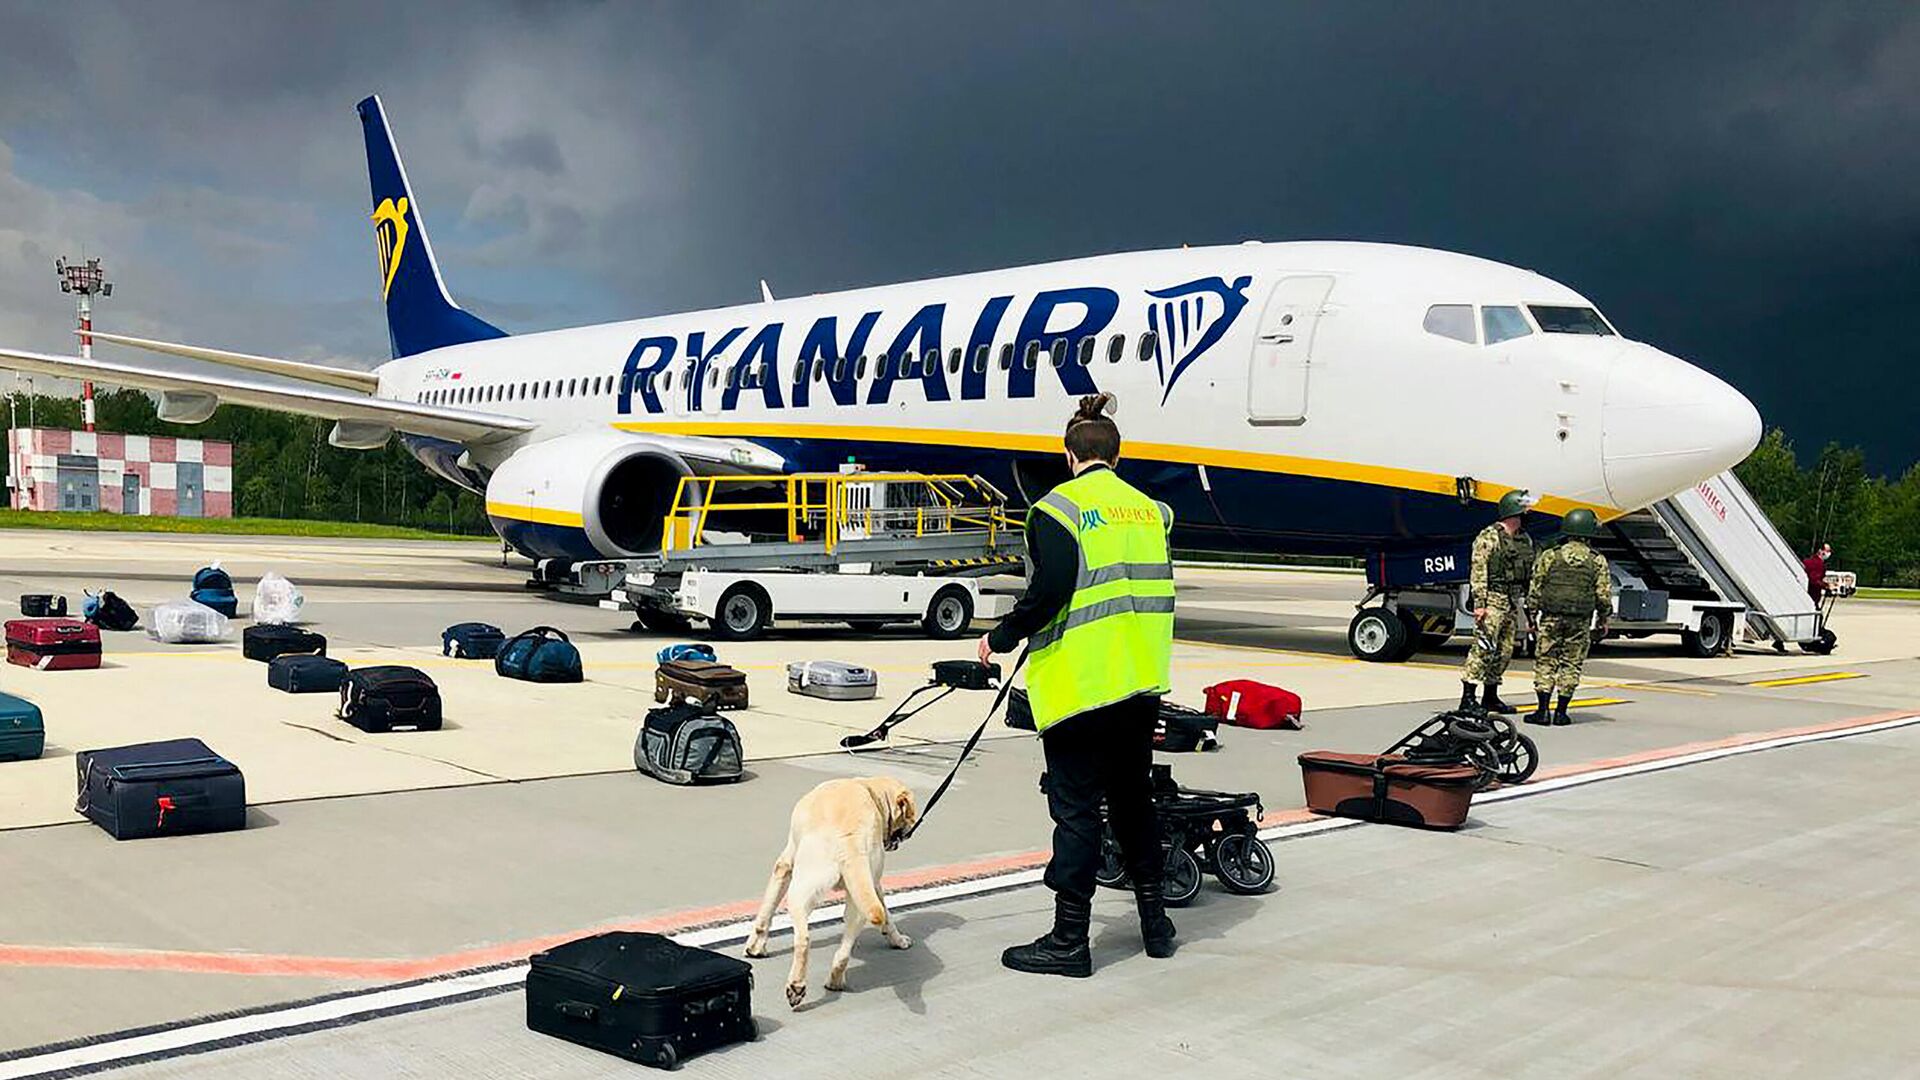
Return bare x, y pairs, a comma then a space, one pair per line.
703, 682
1380, 787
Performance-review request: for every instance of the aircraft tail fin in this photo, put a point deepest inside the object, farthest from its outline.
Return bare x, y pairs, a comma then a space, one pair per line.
420, 314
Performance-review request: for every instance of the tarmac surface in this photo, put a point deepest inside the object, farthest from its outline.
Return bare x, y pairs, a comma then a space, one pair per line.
1729, 855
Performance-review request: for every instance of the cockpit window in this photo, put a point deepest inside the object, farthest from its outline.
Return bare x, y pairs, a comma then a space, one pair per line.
1451, 321
1555, 319
1503, 324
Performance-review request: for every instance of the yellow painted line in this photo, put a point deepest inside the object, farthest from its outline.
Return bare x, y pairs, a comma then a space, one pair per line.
1588, 703
1802, 680
1380, 475
1660, 688
539, 515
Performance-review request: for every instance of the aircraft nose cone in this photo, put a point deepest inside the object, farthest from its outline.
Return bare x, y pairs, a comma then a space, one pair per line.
1667, 425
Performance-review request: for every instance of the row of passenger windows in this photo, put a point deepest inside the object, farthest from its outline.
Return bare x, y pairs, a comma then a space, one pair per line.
907, 366
1500, 323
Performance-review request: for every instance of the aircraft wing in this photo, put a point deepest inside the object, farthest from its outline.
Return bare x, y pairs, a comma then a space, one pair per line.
345, 378
197, 393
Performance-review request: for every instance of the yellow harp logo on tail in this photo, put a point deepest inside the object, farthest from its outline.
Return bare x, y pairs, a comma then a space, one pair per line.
390, 232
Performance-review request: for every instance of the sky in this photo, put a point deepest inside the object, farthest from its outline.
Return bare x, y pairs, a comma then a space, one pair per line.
1734, 183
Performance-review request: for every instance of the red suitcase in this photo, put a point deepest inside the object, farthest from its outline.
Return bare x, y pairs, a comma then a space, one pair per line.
1248, 704
1384, 787
53, 644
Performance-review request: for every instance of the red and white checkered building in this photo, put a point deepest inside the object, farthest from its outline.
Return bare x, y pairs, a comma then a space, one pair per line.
55, 469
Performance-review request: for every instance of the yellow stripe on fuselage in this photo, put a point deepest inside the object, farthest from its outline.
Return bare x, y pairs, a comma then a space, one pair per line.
1287, 464
539, 515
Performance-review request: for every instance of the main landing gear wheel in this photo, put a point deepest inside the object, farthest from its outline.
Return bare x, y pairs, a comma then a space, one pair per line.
1713, 637
1377, 635
743, 613
1243, 863
950, 614
1182, 882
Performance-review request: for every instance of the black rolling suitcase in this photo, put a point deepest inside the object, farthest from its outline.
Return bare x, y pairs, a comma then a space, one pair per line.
264, 642
306, 674
643, 997
160, 789
386, 696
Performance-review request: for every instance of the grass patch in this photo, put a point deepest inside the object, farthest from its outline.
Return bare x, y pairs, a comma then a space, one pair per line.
100, 522
1888, 594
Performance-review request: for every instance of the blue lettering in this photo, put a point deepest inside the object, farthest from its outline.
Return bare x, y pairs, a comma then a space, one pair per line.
1100, 305
762, 352
701, 358
973, 384
822, 347
633, 375
909, 352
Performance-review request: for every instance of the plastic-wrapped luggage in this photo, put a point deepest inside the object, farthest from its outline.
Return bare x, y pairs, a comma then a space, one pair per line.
832, 680
184, 622
277, 601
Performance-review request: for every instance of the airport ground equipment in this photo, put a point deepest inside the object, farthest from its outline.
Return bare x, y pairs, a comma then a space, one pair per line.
1214, 832
1486, 741
865, 549
948, 676
1696, 563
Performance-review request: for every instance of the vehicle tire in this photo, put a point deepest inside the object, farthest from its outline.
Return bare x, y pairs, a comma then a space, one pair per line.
1112, 873
1182, 881
1716, 631
664, 622
1243, 863
742, 614
950, 615
1377, 635
1823, 645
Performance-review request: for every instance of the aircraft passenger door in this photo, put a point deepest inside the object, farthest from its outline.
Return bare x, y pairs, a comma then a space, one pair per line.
1281, 370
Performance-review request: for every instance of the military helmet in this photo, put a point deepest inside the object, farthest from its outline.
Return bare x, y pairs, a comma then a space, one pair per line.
1580, 522
1513, 504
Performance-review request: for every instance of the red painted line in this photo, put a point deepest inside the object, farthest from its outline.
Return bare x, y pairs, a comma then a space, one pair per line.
369, 969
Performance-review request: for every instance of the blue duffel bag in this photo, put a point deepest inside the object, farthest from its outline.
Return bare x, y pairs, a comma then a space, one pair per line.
542, 654
213, 588
694, 651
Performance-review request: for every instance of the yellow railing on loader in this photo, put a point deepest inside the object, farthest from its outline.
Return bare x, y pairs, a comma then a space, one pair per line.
831, 507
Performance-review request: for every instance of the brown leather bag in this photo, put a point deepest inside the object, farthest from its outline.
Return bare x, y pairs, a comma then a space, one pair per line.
1386, 788
702, 682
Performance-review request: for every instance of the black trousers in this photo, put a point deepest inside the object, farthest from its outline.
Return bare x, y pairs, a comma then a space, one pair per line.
1104, 754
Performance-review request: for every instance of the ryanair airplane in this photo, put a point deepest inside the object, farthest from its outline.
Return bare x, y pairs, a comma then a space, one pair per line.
1337, 398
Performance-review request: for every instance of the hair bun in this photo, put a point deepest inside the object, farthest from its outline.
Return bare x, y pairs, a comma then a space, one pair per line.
1094, 406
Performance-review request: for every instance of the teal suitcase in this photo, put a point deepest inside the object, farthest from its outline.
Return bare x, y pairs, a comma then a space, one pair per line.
22, 735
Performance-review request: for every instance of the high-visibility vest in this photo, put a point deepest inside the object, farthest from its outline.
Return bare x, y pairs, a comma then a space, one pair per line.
1114, 639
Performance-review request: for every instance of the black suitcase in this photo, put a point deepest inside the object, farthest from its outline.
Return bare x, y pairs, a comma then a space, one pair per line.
160, 789
386, 696
306, 674
263, 643
471, 641
644, 997
43, 606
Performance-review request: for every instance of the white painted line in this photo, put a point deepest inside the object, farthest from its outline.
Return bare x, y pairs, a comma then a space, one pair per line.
206, 1035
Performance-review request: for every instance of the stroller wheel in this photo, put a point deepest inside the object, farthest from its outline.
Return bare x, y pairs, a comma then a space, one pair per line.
1182, 882
1518, 760
1112, 873
1243, 863
1484, 757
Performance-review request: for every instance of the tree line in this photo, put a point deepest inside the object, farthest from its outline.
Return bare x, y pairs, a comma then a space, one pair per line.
283, 466
1873, 522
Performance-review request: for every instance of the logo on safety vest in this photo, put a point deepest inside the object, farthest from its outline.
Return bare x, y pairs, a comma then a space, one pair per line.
390, 233
1091, 519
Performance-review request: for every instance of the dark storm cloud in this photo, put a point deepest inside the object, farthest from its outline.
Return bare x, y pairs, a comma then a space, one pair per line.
1733, 183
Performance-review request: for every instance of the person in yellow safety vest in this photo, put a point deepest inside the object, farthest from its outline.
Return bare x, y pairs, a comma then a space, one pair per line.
1098, 620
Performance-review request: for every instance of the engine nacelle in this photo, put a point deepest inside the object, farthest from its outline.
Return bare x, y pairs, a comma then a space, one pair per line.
591, 495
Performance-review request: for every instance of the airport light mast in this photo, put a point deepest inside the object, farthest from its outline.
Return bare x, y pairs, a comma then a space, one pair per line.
85, 281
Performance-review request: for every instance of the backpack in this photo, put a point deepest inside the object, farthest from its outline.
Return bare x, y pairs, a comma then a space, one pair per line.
471, 641
695, 651
688, 744
213, 587
542, 654
108, 612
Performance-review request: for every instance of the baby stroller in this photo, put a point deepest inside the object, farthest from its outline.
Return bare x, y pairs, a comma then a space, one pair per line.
1487, 741
1214, 831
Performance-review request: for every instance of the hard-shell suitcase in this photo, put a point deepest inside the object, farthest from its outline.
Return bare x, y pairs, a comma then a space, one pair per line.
42, 605
1387, 788
471, 641
688, 744
833, 680
160, 788
1249, 704
264, 642
22, 733
306, 674
53, 644
702, 682
386, 696
643, 997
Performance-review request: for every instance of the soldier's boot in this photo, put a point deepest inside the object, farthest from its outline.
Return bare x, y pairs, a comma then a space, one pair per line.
1062, 950
1156, 930
1560, 717
1490, 701
1468, 700
1539, 714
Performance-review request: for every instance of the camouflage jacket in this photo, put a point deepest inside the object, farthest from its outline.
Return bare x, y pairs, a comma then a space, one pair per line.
1571, 579
1502, 564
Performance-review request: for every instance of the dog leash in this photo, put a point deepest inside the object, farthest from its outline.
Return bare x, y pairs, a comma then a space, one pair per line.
1006, 687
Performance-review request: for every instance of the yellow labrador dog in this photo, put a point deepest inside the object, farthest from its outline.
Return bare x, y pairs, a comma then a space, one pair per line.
840, 834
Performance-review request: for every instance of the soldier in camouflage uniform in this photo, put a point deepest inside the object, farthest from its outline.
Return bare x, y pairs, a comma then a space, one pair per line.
1502, 565
1569, 587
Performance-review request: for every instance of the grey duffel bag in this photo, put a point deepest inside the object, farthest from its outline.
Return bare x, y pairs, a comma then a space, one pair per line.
688, 744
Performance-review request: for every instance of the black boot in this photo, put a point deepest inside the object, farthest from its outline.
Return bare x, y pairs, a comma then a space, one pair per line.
1491, 702
1560, 717
1156, 930
1468, 701
1062, 950
1539, 714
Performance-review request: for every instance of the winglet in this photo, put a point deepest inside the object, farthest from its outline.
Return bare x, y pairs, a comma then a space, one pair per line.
766, 294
